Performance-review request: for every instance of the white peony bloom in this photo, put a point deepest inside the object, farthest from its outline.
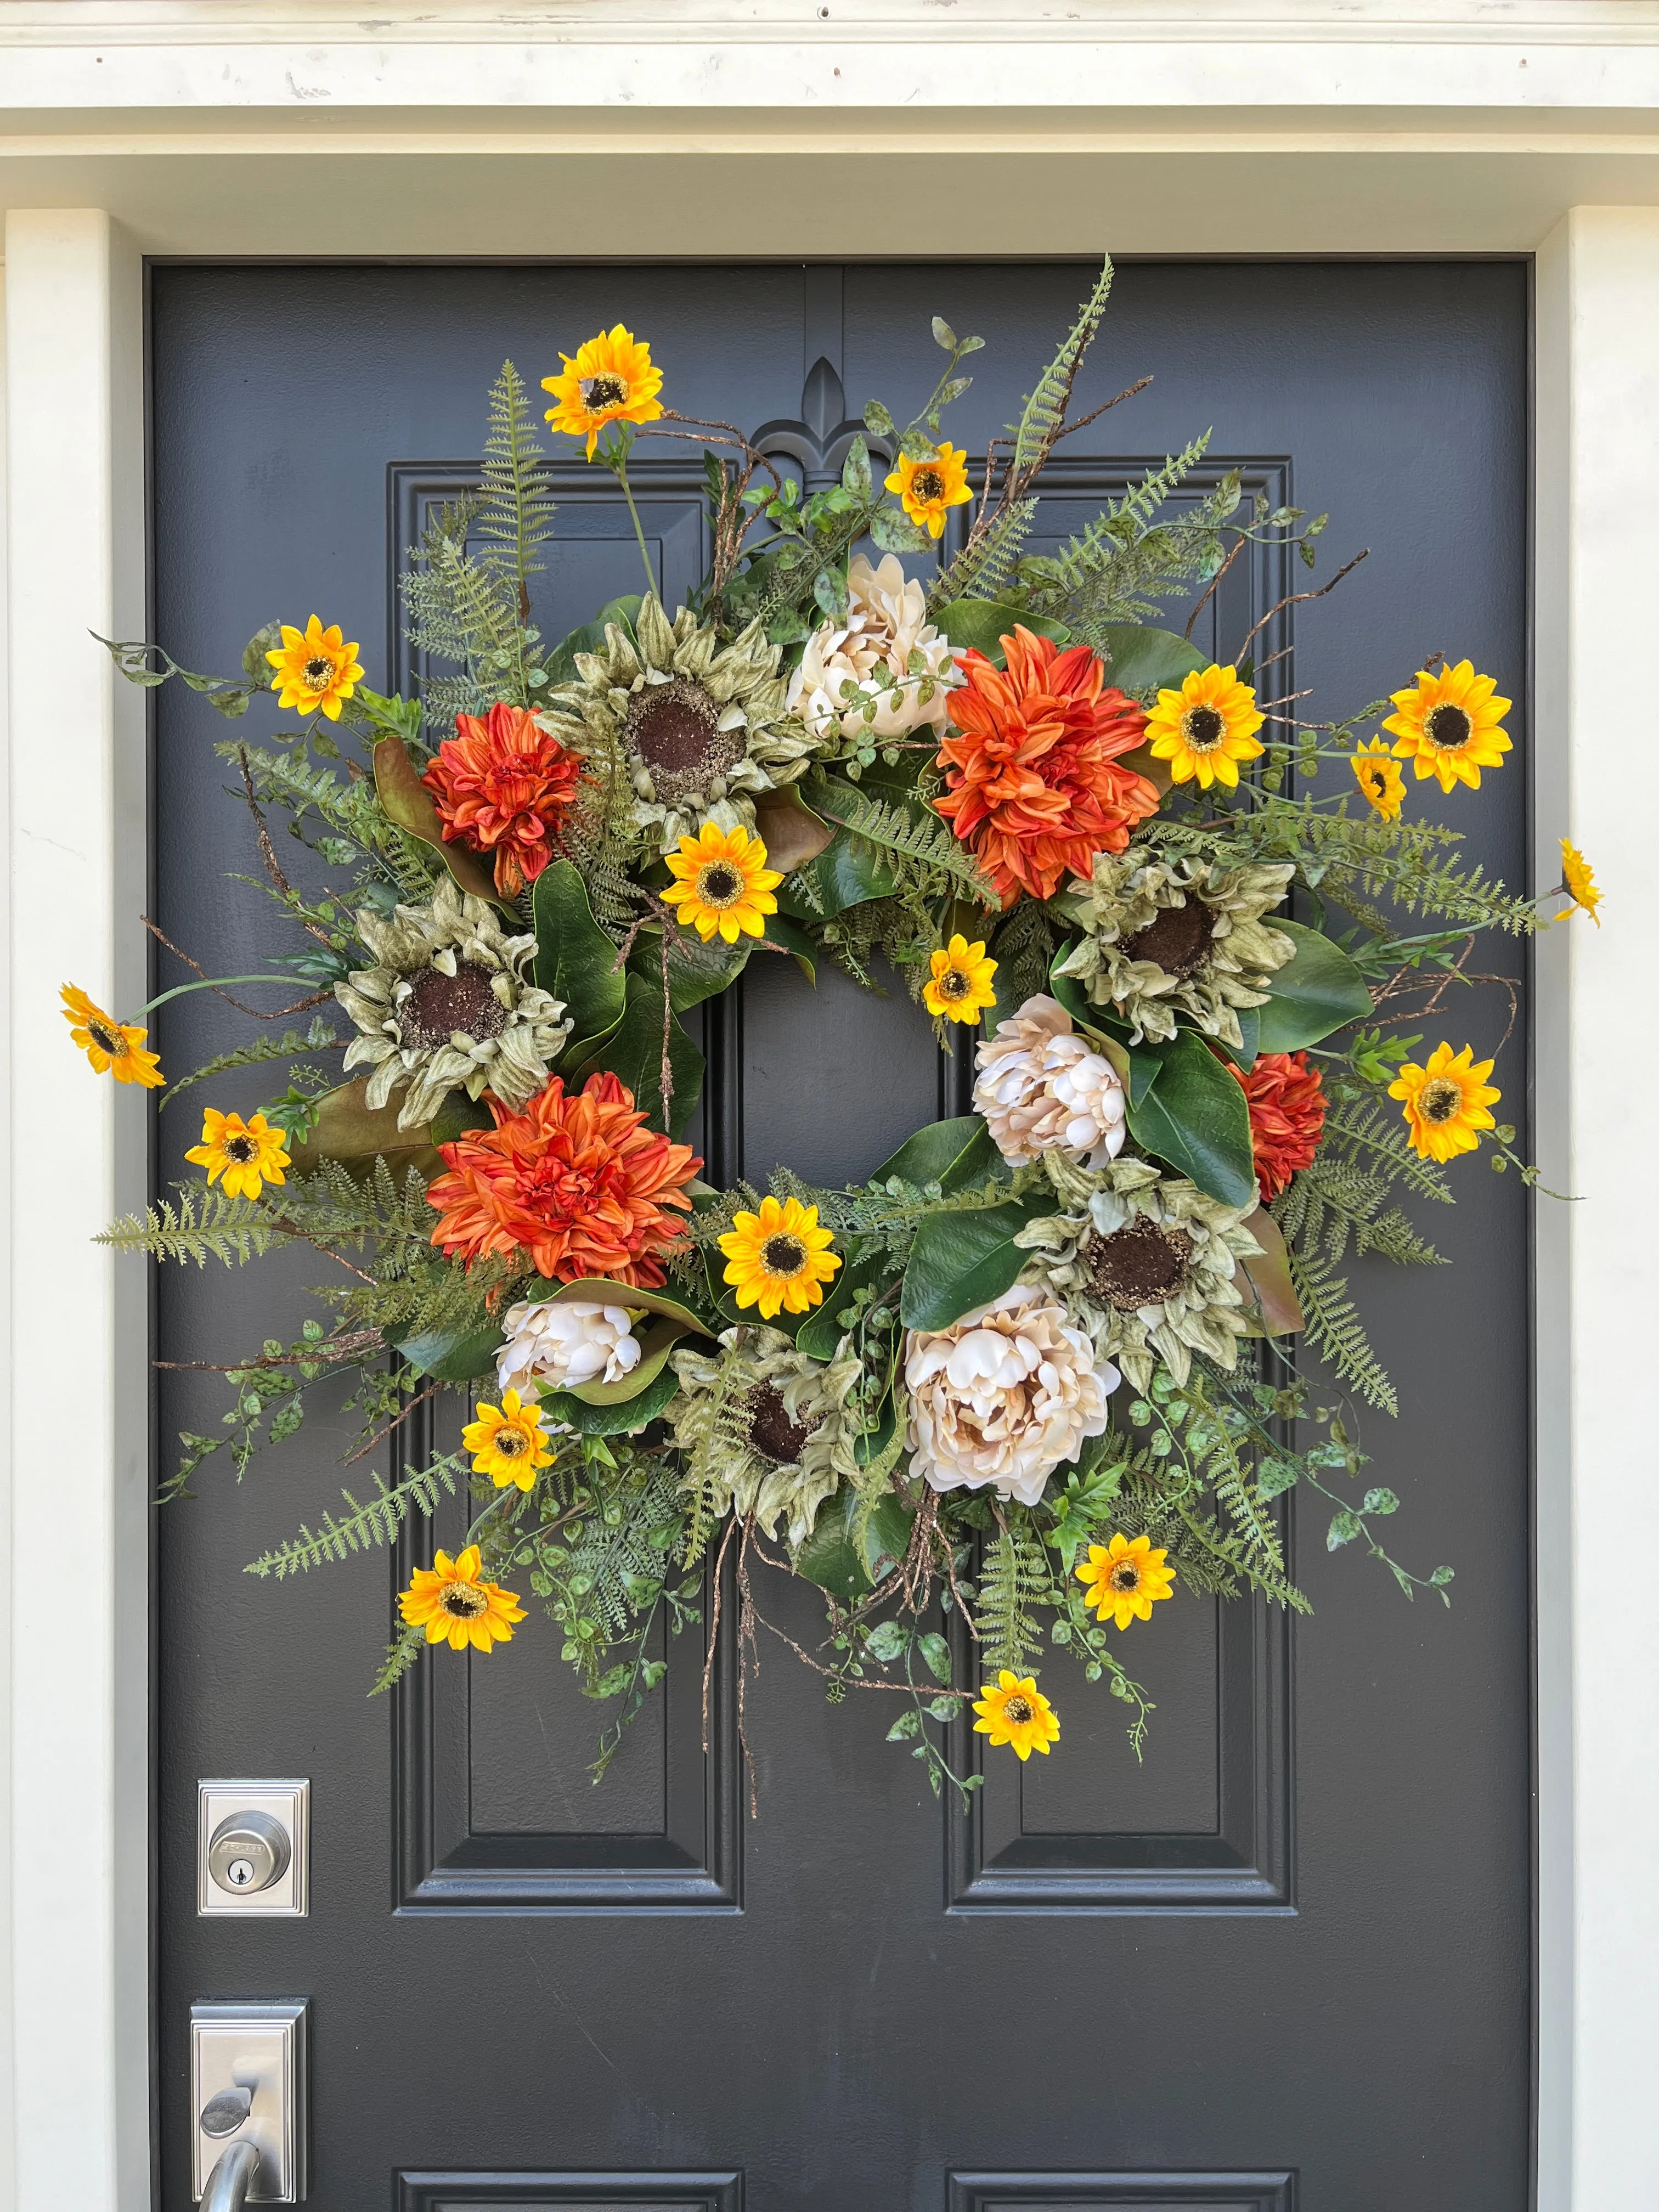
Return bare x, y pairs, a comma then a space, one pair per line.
1042, 1088
886, 621
1004, 1396
553, 1346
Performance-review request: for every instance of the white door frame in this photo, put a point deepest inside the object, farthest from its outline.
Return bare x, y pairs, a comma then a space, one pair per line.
237, 127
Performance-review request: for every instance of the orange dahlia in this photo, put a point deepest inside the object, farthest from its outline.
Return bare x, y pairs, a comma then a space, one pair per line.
577, 1185
1287, 1113
502, 786
1036, 787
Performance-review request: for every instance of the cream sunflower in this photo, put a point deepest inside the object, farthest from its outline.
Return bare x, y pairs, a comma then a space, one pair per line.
779, 1257
927, 489
1449, 727
247, 1154
507, 1442
959, 987
766, 1428
612, 379
1377, 774
1446, 1102
721, 882
1125, 1579
1168, 937
1148, 1267
315, 668
1207, 727
698, 729
454, 1607
446, 1007
1015, 1712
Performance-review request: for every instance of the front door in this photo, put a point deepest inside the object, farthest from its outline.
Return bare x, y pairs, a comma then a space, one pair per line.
1282, 1963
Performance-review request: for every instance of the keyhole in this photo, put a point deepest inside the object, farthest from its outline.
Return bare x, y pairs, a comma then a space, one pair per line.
241, 1873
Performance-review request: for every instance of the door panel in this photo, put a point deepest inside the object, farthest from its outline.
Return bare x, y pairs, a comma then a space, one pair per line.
1283, 1961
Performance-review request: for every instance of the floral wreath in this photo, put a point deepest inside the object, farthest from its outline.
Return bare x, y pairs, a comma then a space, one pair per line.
1065, 832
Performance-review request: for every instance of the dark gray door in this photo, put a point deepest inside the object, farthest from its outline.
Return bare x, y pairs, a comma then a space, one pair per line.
1285, 1962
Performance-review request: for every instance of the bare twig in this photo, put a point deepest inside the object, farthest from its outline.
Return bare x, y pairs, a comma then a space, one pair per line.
1239, 544
268, 851
362, 1450
1295, 599
300, 1006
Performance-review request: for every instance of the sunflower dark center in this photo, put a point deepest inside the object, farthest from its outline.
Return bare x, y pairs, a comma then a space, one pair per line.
1125, 1576
1203, 728
1449, 727
241, 1150
1018, 1710
783, 1254
318, 673
1140, 1264
771, 1432
464, 1600
605, 391
927, 484
952, 984
109, 1041
720, 885
511, 1443
1440, 1101
440, 1005
675, 730
1175, 939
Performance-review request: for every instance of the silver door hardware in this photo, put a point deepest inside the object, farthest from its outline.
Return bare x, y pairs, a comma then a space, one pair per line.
247, 2080
253, 1847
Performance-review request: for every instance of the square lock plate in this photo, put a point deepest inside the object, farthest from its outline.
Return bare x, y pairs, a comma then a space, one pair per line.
281, 1811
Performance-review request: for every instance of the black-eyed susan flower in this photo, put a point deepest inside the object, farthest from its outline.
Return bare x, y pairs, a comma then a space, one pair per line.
779, 1257
114, 1047
1016, 1712
1445, 1102
1377, 774
1448, 726
1125, 1579
315, 668
1578, 881
928, 488
449, 1602
721, 882
960, 988
508, 1443
612, 379
247, 1154
1207, 727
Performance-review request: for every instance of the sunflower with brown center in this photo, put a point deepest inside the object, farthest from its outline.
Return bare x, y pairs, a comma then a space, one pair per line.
1451, 726
1148, 1267
247, 1154
450, 1601
698, 729
447, 1006
1125, 1579
1015, 1712
114, 1047
780, 1258
765, 1430
1163, 937
1446, 1102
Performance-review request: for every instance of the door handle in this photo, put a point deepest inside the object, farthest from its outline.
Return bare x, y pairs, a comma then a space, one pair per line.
248, 2066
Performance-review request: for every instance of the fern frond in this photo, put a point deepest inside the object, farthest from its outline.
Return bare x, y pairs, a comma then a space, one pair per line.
362, 1528
1043, 414
1014, 1584
1334, 1329
204, 1224
293, 1044
920, 839
400, 1656
985, 566
516, 505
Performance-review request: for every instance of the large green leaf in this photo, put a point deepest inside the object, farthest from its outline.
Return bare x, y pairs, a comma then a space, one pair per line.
952, 1154
696, 971
960, 1260
848, 872
452, 1355
562, 661
655, 1346
575, 961
832, 1559
601, 1291
459, 1114
398, 787
1197, 1119
1270, 1295
1145, 660
613, 1420
351, 1131
821, 1330
1318, 992
633, 1054
981, 625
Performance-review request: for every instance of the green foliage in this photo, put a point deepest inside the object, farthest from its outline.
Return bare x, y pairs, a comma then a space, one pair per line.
362, 1527
912, 838
515, 509
320, 1037
1014, 1587
1042, 417
205, 1224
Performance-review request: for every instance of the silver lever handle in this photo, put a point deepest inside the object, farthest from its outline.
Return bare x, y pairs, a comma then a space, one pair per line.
223, 2114
233, 2175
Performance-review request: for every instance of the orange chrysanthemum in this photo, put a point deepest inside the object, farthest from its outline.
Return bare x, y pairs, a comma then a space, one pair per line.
1287, 1115
578, 1185
502, 786
1036, 787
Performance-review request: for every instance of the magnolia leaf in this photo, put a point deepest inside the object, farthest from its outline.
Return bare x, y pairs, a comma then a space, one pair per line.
655, 1346
1267, 1276
575, 961
1142, 659
953, 1154
633, 1054
350, 1130
830, 1558
862, 1268
698, 970
452, 1355
1196, 1117
981, 625
412, 806
1319, 991
459, 1114
611, 1419
601, 1291
848, 872
791, 832
960, 1260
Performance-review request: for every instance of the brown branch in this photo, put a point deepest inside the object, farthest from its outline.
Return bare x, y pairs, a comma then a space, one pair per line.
268, 851
1128, 392
357, 1345
1295, 599
300, 1006
1239, 544
362, 1450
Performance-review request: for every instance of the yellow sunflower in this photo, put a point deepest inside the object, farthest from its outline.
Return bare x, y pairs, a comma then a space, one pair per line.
1016, 1712
925, 488
1446, 1102
610, 380
1578, 881
1206, 728
451, 1603
779, 1257
508, 1443
721, 882
246, 1153
1377, 774
315, 668
113, 1048
1125, 1579
960, 987
1448, 726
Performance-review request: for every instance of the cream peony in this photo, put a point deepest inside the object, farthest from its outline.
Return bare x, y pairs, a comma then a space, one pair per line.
885, 623
551, 1345
1003, 1395
1042, 1088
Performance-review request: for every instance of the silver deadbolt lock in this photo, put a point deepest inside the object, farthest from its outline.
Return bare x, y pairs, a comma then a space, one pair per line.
248, 1851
